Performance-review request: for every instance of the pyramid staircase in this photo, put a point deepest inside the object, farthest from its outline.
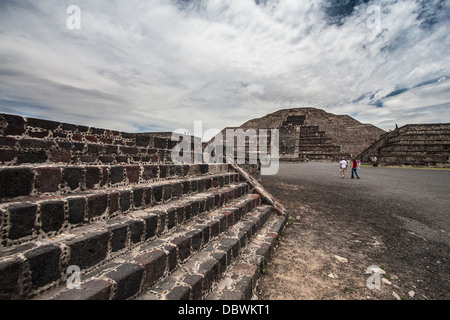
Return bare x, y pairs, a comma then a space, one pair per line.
413, 145
95, 214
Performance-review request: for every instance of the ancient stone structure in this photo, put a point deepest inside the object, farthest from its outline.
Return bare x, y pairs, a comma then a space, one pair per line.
412, 145
309, 133
90, 213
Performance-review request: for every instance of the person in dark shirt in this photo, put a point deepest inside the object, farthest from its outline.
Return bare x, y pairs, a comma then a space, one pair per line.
354, 169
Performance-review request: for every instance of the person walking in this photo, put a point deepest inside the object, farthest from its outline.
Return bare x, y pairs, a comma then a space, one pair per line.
354, 169
343, 167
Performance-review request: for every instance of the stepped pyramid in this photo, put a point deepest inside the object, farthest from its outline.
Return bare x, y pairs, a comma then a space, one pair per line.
315, 134
89, 213
413, 144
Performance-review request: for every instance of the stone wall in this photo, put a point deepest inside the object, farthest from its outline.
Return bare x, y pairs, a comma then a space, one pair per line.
28, 140
412, 145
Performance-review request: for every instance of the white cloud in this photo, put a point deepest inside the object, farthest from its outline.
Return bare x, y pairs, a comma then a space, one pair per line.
139, 65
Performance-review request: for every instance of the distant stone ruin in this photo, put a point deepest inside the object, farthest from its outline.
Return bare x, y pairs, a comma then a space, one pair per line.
89, 213
309, 133
412, 145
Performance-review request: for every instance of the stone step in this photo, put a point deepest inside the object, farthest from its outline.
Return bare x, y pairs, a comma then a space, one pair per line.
43, 216
414, 159
18, 127
24, 150
93, 244
200, 276
128, 274
413, 147
319, 149
239, 281
53, 179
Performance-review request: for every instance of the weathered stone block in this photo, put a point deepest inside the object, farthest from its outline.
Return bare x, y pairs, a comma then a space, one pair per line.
205, 232
157, 193
167, 191
88, 250
31, 157
204, 168
113, 202
129, 150
116, 174
94, 148
214, 227
133, 173
179, 293
52, 215
8, 141
119, 236
196, 283
48, 179
97, 205
180, 214
44, 265
183, 244
151, 225
171, 218
16, 125
64, 156
210, 271
111, 149
77, 209
148, 195
8, 155
150, 172
11, 271
231, 247
163, 171
172, 259
160, 143
196, 239
21, 220
125, 200
15, 182
128, 278
106, 159
221, 257
142, 140
41, 123
91, 290
154, 263
136, 230
72, 176
177, 190
138, 196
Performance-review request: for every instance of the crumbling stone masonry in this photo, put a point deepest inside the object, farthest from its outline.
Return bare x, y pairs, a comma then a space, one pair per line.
108, 212
412, 145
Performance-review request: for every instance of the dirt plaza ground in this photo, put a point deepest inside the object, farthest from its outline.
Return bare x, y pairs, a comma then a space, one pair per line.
397, 219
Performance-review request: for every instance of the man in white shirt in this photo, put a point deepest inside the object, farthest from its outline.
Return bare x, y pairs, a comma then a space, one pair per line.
343, 167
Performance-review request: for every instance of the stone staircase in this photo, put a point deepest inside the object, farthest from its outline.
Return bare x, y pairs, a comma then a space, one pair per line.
87, 219
416, 145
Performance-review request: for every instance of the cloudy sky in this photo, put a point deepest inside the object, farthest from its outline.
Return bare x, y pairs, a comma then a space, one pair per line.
160, 65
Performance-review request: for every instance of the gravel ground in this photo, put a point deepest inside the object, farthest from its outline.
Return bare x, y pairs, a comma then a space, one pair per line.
397, 219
